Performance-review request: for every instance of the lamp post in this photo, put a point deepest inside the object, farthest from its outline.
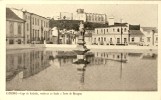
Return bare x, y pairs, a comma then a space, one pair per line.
129, 36
153, 37
121, 31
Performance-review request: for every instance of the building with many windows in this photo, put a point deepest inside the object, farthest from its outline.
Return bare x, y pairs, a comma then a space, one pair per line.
36, 28
115, 34
14, 28
90, 17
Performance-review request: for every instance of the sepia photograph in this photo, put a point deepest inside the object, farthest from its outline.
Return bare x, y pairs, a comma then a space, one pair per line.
80, 47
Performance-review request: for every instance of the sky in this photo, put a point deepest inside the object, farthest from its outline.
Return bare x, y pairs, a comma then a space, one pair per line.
144, 14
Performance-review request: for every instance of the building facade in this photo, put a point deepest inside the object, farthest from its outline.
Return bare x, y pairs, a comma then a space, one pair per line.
14, 28
36, 27
116, 34
150, 36
89, 17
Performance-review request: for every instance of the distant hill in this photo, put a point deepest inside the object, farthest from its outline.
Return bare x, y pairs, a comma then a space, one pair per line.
73, 24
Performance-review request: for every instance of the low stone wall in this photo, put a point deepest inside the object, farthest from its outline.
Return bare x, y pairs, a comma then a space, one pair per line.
71, 47
101, 46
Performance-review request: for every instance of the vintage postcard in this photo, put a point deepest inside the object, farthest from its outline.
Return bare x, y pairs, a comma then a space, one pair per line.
80, 49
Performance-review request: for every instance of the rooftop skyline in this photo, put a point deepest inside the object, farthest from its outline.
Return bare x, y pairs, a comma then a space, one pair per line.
144, 14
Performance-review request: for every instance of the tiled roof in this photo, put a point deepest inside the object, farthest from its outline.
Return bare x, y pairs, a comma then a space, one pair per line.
135, 33
11, 15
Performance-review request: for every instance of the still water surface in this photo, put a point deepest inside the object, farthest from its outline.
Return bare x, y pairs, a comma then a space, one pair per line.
42, 69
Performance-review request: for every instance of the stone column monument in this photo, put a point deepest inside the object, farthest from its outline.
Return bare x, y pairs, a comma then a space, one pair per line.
80, 50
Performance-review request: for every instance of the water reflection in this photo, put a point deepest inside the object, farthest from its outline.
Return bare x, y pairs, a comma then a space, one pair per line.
117, 65
30, 62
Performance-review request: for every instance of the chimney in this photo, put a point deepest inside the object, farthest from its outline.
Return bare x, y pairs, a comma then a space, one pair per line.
111, 21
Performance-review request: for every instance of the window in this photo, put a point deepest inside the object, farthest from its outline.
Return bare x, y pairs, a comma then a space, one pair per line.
125, 40
156, 39
38, 21
98, 18
33, 21
132, 39
107, 30
89, 17
113, 30
95, 18
110, 39
97, 31
118, 30
118, 40
19, 28
27, 26
11, 41
11, 27
125, 30
141, 39
38, 33
104, 39
33, 34
102, 18
113, 56
148, 39
19, 41
41, 23
104, 31
92, 18
98, 39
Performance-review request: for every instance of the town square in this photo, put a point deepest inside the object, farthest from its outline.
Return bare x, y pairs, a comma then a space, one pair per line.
78, 47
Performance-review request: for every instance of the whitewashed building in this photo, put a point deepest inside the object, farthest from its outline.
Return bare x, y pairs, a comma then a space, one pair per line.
115, 34
151, 36
89, 17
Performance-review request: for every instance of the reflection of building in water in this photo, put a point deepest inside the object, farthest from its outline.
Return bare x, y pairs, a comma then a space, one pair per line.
148, 55
30, 62
102, 57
